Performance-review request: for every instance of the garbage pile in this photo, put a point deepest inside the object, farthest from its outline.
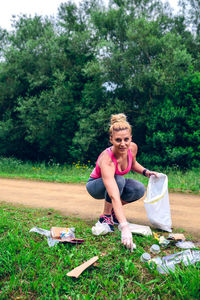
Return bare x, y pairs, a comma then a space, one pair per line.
166, 264
58, 235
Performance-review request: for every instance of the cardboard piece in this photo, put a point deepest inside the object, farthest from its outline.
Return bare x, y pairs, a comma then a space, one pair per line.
76, 272
176, 237
56, 233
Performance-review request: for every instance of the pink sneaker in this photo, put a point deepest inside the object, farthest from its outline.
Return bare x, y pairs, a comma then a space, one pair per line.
108, 220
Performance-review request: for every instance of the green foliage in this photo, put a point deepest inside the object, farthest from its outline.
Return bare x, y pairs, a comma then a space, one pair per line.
48, 121
173, 132
48, 68
61, 79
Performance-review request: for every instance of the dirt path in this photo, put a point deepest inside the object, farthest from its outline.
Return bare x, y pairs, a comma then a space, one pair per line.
73, 200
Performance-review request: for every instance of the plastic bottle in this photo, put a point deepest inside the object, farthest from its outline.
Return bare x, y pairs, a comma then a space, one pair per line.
188, 257
154, 262
166, 267
193, 258
196, 254
157, 260
182, 256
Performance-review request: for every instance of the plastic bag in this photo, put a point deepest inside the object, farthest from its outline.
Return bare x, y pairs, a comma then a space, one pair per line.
138, 229
51, 242
101, 228
185, 245
156, 202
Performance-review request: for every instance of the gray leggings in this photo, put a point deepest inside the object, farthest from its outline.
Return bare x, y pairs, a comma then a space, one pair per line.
130, 190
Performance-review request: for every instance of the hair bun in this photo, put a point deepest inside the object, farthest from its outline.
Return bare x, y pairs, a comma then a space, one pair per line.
117, 118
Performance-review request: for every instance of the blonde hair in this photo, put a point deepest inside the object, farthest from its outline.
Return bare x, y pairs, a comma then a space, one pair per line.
119, 122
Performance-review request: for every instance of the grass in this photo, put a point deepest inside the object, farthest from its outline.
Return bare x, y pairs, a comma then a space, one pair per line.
29, 269
52, 172
188, 181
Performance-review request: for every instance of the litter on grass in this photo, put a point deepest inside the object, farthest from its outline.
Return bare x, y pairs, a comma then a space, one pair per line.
163, 242
166, 264
101, 228
155, 249
76, 272
104, 228
176, 236
51, 242
62, 232
157, 260
145, 257
177, 239
138, 229
58, 235
65, 235
187, 257
185, 245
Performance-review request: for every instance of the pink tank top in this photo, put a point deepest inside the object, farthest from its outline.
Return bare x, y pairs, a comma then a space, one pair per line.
96, 173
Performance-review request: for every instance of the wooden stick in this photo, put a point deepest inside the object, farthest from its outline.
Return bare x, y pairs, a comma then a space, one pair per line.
78, 270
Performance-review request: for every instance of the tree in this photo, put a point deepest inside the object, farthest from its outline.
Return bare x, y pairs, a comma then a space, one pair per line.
139, 60
173, 135
44, 67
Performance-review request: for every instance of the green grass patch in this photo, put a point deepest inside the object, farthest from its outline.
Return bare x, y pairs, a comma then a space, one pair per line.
179, 181
30, 269
52, 172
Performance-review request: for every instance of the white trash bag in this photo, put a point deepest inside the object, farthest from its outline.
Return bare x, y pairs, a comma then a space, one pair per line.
156, 202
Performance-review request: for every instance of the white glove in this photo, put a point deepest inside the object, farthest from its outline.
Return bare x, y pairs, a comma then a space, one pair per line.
126, 236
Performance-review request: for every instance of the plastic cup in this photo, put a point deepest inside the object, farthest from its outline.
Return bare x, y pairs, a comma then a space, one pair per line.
155, 249
145, 257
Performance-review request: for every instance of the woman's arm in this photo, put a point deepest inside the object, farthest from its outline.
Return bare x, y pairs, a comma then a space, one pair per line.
108, 172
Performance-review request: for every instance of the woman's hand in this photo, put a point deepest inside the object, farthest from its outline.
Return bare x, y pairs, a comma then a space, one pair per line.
126, 236
150, 173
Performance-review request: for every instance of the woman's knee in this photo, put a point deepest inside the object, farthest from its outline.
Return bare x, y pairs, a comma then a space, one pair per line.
96, 190
134, 190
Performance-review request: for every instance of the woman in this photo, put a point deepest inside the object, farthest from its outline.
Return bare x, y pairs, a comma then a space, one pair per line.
107, 181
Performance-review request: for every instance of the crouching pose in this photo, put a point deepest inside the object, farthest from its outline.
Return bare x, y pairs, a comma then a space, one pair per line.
107, 182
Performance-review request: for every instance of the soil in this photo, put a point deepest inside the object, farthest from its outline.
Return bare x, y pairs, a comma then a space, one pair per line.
73, 200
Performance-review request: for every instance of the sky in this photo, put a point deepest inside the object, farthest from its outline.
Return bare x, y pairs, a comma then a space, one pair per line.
39, 7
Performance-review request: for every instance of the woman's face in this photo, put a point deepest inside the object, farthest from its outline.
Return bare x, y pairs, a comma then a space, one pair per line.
121, 140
